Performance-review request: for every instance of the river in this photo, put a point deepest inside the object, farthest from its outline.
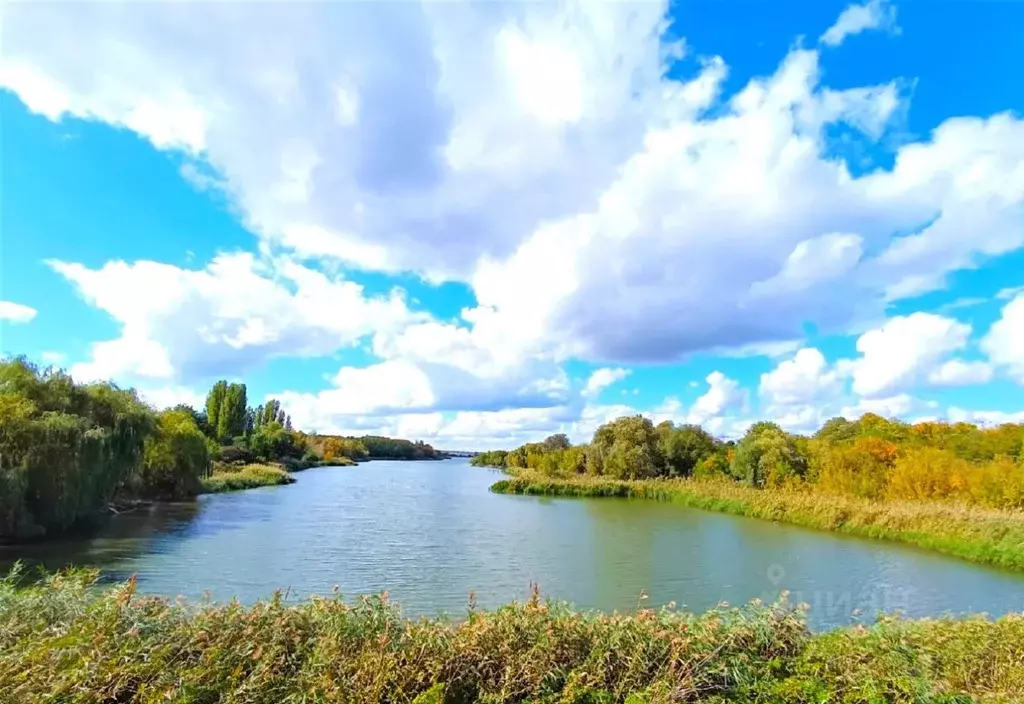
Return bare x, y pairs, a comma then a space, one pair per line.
429, 533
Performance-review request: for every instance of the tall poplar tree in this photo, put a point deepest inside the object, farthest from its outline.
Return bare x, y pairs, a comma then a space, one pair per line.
214, 406
231, 422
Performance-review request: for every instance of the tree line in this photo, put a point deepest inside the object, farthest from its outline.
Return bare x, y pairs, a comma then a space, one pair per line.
870, 457
68, 450
373, 447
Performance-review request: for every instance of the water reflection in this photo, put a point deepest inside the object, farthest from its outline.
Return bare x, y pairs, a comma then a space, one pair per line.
118, 540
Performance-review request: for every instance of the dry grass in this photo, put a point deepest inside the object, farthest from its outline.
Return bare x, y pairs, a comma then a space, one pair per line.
248, 476
65, 641
983, 535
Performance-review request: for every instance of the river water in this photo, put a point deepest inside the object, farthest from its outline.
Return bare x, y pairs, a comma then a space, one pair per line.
429, 533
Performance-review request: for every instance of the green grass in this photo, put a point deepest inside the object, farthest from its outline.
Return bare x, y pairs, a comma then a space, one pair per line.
981, 535
249, 476
65, 640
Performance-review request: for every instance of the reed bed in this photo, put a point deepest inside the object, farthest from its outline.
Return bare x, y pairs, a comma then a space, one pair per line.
66, 640
248, 476
989, 536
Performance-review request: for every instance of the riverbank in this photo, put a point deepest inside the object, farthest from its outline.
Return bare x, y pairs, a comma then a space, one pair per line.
981, 535
65, 638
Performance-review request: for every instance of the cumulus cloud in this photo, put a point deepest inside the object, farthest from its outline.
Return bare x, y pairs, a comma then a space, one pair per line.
404, 386
718, 408
16, 312
876, 14
888, 407
802, 380
986, 418
220, 320
1004, 342
903, 354
800, 393
603, 378
551, 149
957, 372
161, 397
599, 206
902, 351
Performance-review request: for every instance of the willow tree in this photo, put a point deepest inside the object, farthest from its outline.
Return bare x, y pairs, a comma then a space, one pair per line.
65, 448
176, 457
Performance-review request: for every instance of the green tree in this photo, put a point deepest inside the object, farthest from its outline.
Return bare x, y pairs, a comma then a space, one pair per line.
559, 441
271, 409
838, 429
627, 448
231, 420
176, 457
65, 448
214, 408
250, 421
684, 447
767, 455
273, 442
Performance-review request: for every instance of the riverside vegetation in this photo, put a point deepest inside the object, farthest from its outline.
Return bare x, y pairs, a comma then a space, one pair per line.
71, 452
63, 639
954, 488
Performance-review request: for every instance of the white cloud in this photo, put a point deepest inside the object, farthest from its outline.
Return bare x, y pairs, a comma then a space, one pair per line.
889, 407
902, 351
603, 378
463, 430
957, 372
717, 409
876, 14
16, 312
812, 261
802, 380
1004, 342
801, 393
161, 397
983, 418
670, 409
222, 319
758, 349
539, 152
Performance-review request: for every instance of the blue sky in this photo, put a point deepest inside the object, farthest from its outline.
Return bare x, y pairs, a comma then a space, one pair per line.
480, 224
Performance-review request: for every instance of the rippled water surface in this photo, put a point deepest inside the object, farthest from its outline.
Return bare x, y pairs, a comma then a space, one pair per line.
430, 533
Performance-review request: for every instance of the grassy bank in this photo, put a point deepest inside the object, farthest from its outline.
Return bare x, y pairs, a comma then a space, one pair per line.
64, 641
249, 476
973, 533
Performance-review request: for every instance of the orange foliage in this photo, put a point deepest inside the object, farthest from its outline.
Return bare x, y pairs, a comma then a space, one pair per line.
860, 469
928, 473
